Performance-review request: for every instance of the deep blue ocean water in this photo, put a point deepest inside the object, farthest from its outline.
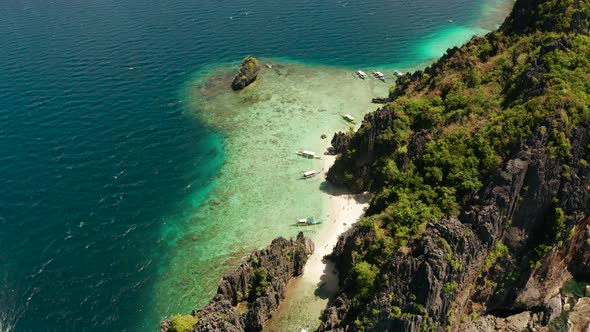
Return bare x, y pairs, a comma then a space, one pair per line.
98, 157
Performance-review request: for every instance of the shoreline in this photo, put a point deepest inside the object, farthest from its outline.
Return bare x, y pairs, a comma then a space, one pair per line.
319, 281
345, 209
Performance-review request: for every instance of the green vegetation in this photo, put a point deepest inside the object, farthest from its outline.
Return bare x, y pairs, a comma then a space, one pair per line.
575, 288
365, 275
471, 111
250, 63
553, 230
499, 251
183, 323
259, 283
396, 312
449, 255
449, 287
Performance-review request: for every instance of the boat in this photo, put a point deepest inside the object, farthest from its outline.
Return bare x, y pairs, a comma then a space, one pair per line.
269, 66
348, 118
379, 75
310, 174
309, 221
308, 154
361, 74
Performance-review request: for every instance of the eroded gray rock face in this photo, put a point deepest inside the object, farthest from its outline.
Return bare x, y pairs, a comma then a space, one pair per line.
367, 148
258, 285
579, 318
341, 142
524, 321
441, 277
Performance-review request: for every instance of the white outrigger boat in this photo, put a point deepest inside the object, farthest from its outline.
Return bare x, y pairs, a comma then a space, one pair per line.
361, 74
310, 174
348, 118
309, 221
379, 75
308, 154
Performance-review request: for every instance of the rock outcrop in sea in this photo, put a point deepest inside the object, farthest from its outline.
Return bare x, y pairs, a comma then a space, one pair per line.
248, 296
249, 70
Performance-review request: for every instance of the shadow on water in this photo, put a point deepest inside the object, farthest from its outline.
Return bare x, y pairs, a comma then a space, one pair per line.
328, 287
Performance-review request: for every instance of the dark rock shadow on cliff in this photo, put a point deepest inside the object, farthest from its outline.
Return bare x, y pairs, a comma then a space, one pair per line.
328, 288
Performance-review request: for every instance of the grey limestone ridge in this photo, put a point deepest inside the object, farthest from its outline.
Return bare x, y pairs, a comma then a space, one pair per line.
479, 269
421, 275
247, 297
249, 70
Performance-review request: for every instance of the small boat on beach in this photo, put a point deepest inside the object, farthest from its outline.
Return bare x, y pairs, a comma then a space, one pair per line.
348, 118
379, 75
361, 74
310, 174
308, 154
309, 221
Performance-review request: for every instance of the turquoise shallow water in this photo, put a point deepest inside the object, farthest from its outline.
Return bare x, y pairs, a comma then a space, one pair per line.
108, 169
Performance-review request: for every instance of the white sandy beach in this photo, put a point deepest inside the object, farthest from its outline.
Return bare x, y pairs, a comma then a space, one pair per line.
345, 210
319, 281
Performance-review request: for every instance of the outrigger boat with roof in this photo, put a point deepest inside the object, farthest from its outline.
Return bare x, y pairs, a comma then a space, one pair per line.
361, 74
310, 174
348, 118
309, 221
379, 75
308, 154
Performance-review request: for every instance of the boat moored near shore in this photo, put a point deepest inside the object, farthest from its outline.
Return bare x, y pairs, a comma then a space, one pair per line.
379, 75
308, 154
361, 74
310, 174
348, 118
309, 221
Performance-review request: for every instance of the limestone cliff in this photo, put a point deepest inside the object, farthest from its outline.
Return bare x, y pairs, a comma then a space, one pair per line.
247, 297
479, 166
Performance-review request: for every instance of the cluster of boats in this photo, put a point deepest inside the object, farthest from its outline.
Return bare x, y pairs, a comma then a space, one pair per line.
377, 74
310, 155
309, 221
312, 173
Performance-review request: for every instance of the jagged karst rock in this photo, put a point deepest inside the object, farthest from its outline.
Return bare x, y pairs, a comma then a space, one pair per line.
380, 100
340, 142
367, 147
524, 321
219, 316
249, 70
501, 260
258, 284
579, 318
423, 275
